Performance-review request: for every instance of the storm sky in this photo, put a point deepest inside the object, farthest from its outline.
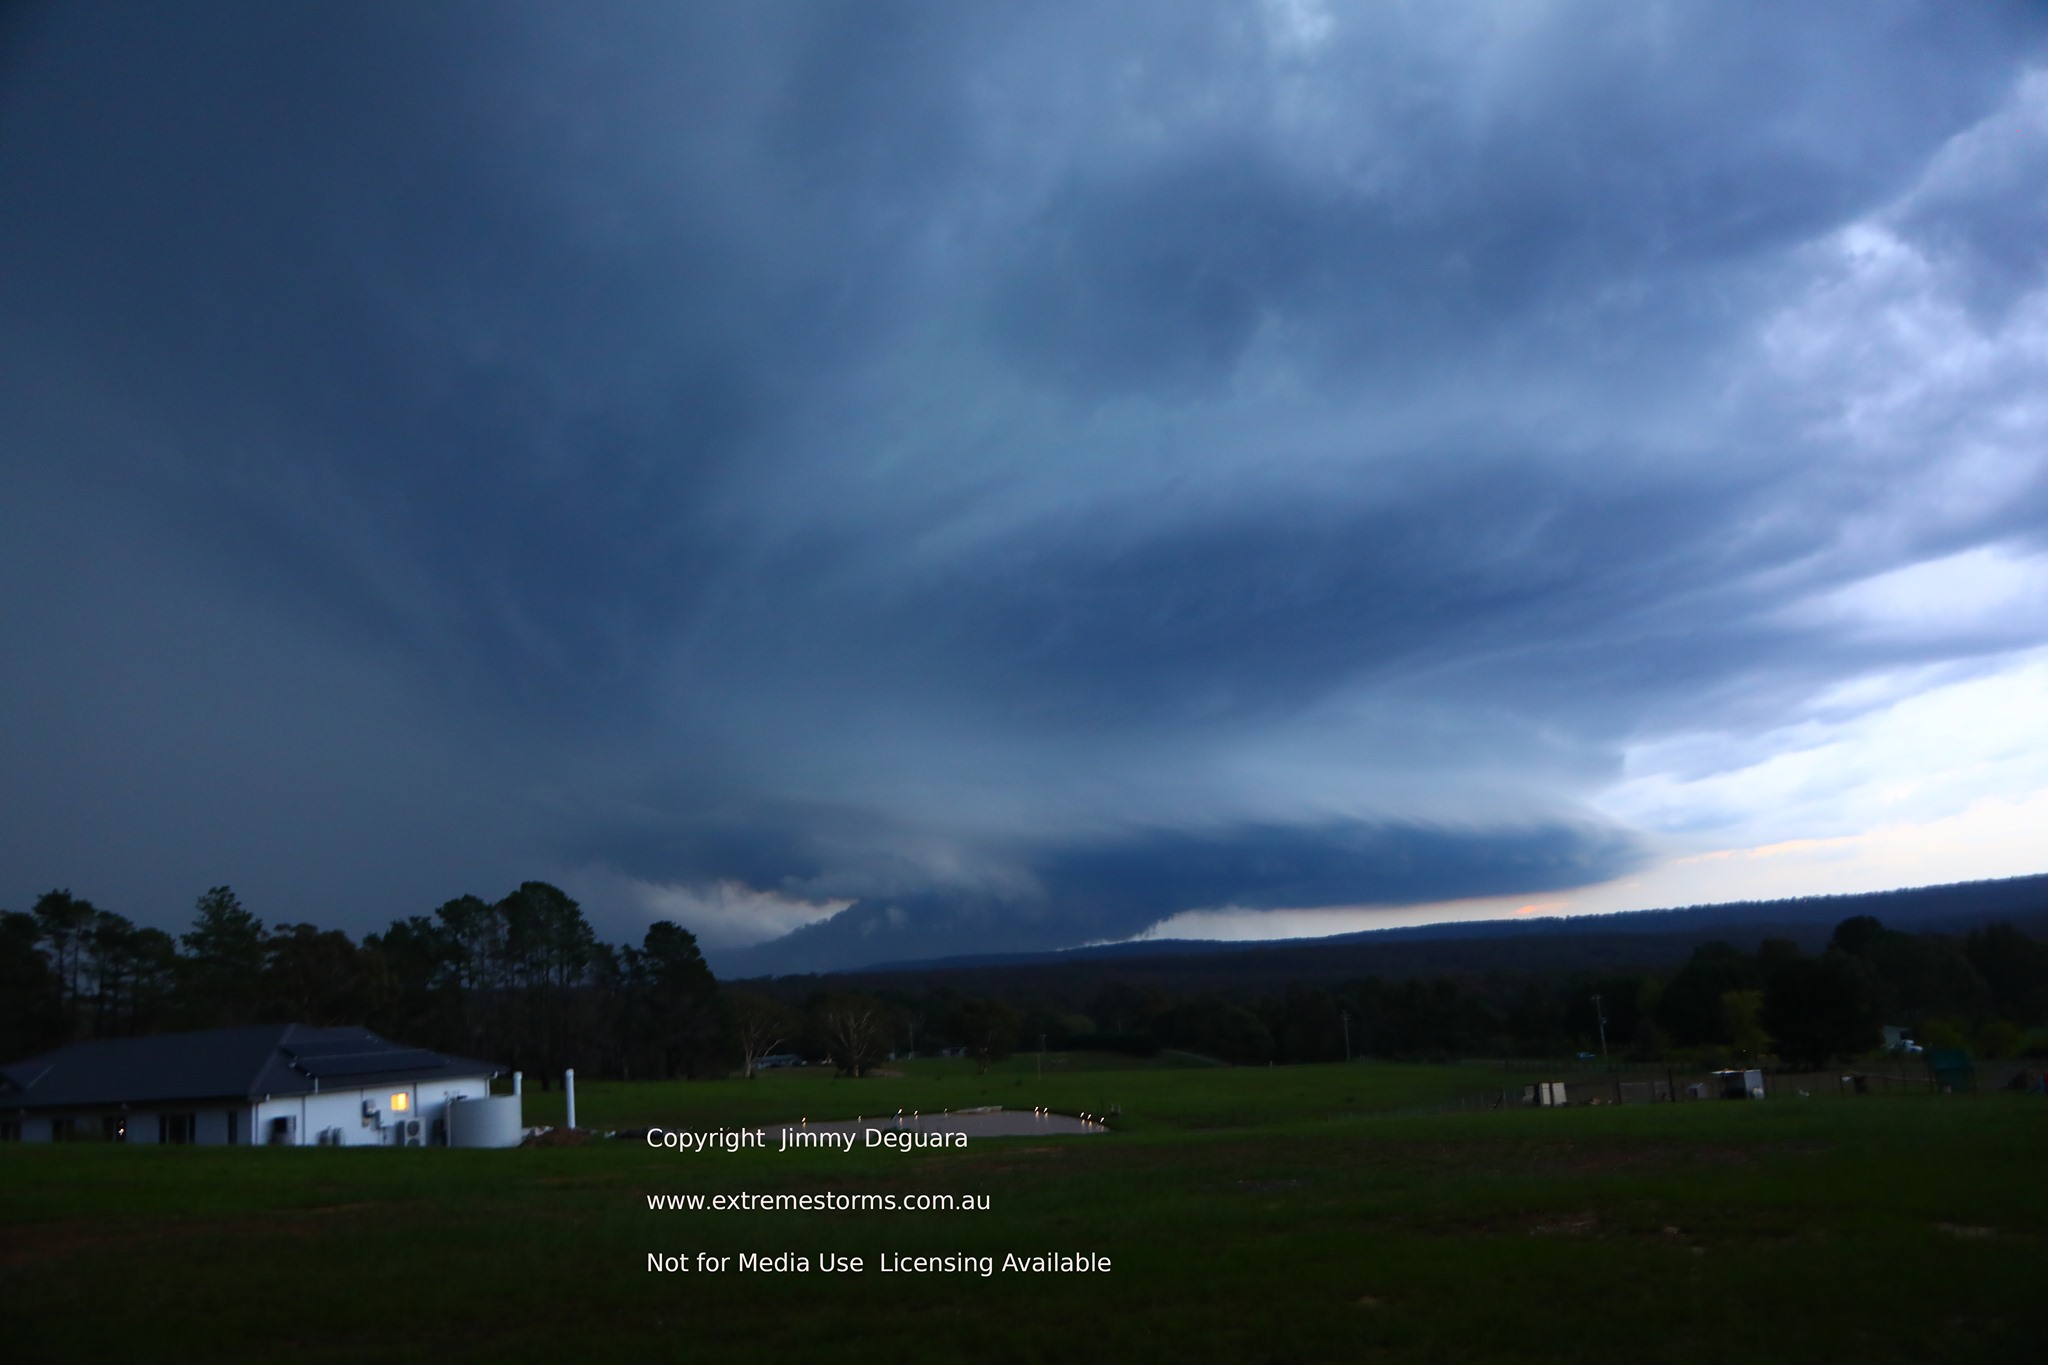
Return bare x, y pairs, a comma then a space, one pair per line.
932, 478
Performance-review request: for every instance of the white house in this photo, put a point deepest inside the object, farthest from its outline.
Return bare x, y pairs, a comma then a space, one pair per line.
283, 1085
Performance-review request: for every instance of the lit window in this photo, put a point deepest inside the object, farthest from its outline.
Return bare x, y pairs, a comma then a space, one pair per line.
400, 1103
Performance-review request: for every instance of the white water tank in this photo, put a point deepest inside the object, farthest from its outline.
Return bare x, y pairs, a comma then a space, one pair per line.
485, 1121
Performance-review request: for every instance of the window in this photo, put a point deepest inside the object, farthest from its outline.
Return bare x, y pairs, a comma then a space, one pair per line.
400, 1102
234, 1122
113, 1128
10, 1130
176, 1129
64, 1130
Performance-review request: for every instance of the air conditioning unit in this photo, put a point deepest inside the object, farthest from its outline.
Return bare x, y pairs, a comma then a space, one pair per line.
412, 1130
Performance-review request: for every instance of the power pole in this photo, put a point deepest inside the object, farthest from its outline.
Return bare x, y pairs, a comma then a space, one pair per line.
1347, 1035
1600, 1010
1041, 1056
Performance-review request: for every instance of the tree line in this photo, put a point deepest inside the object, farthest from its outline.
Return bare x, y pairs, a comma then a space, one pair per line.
524, 981
1986, 990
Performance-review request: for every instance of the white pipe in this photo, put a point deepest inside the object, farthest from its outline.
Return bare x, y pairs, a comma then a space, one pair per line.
517, 1076
569, 1082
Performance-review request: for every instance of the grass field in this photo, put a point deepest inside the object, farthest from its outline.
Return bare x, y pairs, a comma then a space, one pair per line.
1287, 1214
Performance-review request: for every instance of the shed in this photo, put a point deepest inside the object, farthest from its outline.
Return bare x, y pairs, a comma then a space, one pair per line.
280, 1085
1740, 1084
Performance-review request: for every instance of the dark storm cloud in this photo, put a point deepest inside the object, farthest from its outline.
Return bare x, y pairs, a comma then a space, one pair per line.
1116, 887
892, 453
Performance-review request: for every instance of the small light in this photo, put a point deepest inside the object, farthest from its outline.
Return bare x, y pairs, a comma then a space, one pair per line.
400, 1102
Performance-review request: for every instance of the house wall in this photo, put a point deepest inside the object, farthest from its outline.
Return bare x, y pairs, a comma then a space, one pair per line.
341, 1112
309, 1115
209, 1127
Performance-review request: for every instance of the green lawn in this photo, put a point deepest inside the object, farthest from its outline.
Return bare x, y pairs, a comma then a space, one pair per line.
1290, 1214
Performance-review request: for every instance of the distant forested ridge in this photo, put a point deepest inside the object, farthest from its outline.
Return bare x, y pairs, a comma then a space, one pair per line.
1702, 983
524, 981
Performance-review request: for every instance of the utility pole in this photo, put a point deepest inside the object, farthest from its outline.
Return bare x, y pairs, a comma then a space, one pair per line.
1601, 1011
1041, 1056
1347, 1035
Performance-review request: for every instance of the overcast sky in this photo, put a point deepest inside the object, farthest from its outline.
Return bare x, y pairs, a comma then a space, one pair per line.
938, 478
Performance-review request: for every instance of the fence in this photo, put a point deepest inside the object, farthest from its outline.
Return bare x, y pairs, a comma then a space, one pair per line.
1520, 1086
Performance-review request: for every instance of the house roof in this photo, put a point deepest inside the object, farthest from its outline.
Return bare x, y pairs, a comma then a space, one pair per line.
231, 1063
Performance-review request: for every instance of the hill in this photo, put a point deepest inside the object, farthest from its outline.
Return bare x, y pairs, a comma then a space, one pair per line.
1593, 943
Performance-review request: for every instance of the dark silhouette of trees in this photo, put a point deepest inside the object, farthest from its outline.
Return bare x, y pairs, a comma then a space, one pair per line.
1213, 1027
684, 1018
313, 976
524, 981
1306, 1023
31, 997
986, 1028
760, 1026
1817, 1009
222, 967
134, 977
854, 1030
548, 948
63, 921
410, 976
107, 978
1690, 1008
2014, 970
469, 942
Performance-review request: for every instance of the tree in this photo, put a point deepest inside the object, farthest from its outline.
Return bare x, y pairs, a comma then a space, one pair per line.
1690, 1008
1741, 1023
472, 935
761, 1025
31, 1012
1820, 1008
988, 1028
688, 1023
408, 973
313, 976
854, 1029
2014, 968
1859, 935
549, 947
134, 974
1306, 1023
1214, 1027
223, 965
62, 921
